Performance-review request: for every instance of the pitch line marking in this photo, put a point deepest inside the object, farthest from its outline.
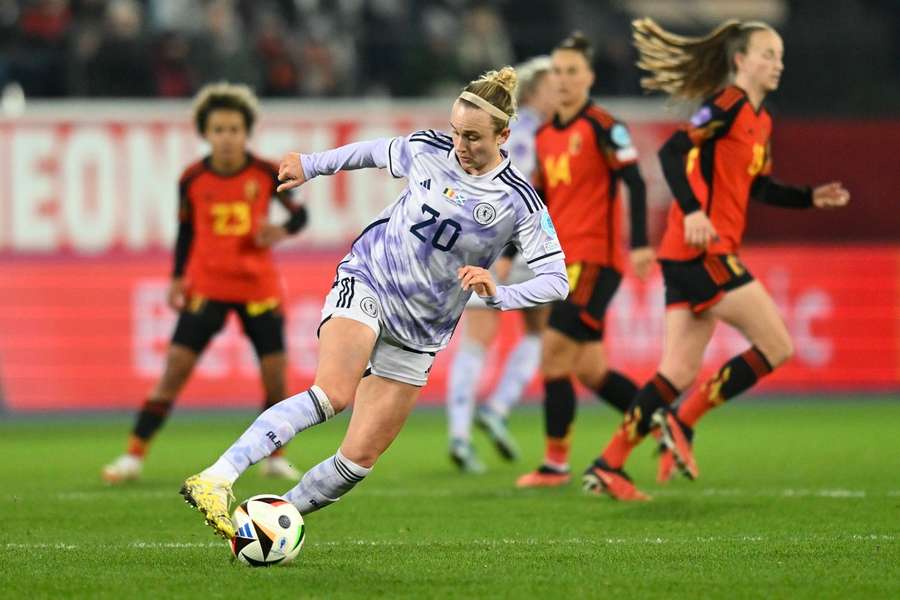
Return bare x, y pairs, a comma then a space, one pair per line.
490, 543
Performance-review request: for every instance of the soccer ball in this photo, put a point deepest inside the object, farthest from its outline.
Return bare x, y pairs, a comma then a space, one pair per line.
269, 529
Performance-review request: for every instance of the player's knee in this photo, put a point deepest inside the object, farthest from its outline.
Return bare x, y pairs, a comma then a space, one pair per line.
681, 374
591, 376
779, 350
339, 396
553, 369
554, 364
364, 457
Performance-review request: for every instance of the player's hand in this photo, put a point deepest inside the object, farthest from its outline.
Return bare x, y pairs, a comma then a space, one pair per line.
698, 230
642, 261
503, 267
477, 279
269, 235
831, 195
177, 295
290, 172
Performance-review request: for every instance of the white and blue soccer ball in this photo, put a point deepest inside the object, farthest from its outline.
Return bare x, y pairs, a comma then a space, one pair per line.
269, 531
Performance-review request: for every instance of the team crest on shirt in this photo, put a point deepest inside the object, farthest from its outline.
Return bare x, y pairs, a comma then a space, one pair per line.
251, 189
484, 213
453, 196
575, 143
369, 306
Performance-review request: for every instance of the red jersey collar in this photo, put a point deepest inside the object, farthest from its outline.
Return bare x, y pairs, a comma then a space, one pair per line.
557, 124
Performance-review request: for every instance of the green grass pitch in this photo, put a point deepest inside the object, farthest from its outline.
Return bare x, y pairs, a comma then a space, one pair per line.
797, 499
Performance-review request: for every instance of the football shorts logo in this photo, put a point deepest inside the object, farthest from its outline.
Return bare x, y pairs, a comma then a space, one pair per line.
484, 213
369, 306
547, 224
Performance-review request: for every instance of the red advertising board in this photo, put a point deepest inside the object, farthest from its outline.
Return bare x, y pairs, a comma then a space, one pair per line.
87, 221
91, 332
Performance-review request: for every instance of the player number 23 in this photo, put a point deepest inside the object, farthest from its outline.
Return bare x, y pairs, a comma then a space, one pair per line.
232, 218
443, 236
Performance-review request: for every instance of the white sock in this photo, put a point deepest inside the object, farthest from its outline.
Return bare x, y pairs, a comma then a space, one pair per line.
465, 373
325, 483
271, 430
520, 367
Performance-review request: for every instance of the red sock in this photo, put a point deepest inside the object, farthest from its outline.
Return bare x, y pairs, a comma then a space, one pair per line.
557, 451
137, 447
698, 403
624, 440
735, 377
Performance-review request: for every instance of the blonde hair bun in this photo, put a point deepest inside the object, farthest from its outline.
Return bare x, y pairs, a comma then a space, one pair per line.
498, 88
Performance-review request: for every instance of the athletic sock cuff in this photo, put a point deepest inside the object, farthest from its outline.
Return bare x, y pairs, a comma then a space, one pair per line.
321, 403
667, 390
757, 361
348, 469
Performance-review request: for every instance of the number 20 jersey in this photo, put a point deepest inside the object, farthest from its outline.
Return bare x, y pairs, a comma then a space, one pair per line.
443, 220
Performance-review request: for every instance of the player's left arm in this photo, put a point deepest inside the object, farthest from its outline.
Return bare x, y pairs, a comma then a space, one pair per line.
535, 237
622, 159
770, 191
270, 233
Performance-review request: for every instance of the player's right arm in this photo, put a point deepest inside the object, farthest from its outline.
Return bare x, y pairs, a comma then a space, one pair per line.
177, 296
392, 153
681, 153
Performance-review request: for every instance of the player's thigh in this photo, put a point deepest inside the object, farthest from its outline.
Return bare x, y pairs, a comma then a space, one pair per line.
345, 346
264, 327
559, 353
265, 330
535, 319
481, 325
197, 324
591, 365
751, 310
180, 362
686, 336
379, 412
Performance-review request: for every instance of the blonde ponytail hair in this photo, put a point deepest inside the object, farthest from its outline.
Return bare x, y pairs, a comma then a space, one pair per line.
690, 68
498, 89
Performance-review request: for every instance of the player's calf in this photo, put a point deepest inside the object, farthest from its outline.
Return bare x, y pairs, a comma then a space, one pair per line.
325, 483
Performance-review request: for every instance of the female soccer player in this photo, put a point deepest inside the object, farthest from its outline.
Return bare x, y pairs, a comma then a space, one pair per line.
536, 104
223, 263
713, 165
401, 289
583, 155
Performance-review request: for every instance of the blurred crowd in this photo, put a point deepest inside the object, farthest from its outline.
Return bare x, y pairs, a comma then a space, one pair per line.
331, 48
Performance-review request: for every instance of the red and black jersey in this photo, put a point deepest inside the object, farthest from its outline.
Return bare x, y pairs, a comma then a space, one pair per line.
580, 164
715, 163
223, 214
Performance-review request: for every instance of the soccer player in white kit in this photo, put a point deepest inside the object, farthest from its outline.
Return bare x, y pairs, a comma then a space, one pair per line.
401, 289
536, 105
